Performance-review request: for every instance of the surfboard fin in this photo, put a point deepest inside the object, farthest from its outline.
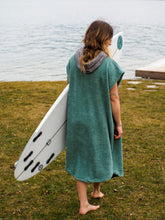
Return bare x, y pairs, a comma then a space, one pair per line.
37, 136
16, 163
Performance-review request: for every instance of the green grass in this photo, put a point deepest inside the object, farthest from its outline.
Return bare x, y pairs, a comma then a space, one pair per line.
52, 193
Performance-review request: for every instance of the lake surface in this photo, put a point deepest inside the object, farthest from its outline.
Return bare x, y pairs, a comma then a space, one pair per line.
37, 37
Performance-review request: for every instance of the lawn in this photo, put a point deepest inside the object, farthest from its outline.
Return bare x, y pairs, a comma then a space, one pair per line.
52, 193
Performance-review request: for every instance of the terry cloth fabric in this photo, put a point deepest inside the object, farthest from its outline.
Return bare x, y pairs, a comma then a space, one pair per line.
92, 153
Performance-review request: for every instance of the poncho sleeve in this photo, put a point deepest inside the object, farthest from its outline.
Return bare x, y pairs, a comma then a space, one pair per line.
69, 65
68, 68
115, 74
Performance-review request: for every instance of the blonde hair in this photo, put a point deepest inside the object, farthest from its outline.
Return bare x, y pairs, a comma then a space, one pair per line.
94, 41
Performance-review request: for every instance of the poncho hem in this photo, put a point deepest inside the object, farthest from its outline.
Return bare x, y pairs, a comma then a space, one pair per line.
88, 180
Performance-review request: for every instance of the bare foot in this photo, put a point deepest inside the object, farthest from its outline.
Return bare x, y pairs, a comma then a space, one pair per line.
88, 208
97, 195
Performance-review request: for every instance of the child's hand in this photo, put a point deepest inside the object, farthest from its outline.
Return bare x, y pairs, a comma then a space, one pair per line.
118, 132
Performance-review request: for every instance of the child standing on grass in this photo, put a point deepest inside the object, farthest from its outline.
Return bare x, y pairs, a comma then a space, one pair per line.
94, 129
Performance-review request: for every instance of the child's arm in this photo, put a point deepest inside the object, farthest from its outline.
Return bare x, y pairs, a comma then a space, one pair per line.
115, 105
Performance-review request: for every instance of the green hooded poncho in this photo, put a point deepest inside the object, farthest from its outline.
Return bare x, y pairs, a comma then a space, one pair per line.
92, 153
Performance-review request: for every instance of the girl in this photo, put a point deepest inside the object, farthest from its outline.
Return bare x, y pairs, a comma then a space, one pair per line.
94, 129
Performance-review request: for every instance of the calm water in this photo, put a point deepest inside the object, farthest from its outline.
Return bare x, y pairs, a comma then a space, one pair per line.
37, 37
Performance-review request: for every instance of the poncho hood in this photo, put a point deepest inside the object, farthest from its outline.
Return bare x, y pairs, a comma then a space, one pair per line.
94, 64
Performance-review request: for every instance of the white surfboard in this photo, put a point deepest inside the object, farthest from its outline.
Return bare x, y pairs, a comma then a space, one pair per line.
48, 140
117, 46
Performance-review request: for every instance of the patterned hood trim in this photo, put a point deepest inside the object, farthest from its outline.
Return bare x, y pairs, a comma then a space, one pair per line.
94, 64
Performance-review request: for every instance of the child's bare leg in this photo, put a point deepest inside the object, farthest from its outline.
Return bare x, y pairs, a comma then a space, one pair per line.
84, 204
96, 191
